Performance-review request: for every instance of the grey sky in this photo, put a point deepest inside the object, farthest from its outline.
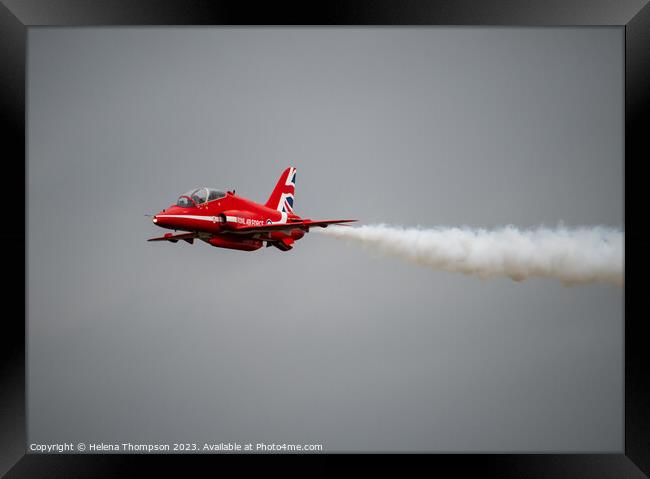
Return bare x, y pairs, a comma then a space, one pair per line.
148, 342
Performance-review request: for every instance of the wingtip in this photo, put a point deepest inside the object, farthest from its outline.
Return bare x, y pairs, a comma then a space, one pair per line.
340, 223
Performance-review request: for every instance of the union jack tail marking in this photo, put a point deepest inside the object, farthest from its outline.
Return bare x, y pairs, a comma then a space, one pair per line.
284, 192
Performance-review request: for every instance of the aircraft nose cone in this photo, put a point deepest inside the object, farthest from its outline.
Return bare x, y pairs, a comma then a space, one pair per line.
154, 219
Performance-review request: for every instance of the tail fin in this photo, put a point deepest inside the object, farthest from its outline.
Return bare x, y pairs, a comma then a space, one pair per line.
283, 194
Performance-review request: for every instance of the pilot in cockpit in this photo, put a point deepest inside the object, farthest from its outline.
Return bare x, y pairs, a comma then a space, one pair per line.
199, 196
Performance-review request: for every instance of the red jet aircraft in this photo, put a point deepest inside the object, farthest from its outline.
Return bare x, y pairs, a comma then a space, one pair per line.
226, 220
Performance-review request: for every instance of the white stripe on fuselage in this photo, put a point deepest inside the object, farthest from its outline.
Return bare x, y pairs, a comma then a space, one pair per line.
214, 219
217, 219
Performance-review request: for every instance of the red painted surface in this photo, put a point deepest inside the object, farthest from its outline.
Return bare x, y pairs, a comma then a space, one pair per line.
226, 220
228, 241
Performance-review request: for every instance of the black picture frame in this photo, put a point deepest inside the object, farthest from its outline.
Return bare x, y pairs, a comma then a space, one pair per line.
16, 16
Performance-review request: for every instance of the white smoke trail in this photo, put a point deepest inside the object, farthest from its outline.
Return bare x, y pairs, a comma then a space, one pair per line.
574, 256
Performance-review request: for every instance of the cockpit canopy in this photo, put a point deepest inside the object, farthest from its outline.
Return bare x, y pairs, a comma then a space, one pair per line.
199, 196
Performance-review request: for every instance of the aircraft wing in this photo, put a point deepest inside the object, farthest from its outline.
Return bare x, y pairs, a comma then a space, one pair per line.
302, 224
189, 237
